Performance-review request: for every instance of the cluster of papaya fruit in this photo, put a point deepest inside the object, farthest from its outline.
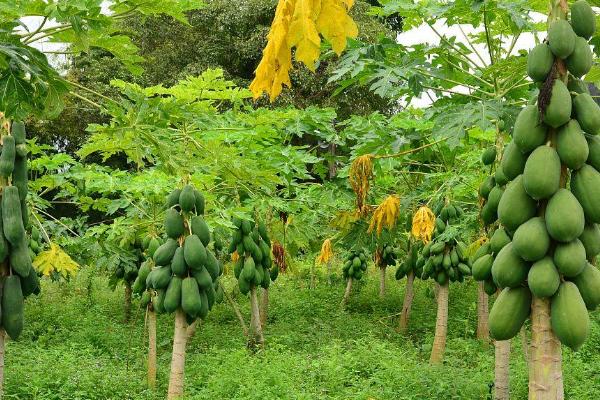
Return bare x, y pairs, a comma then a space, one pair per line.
127, 268
36, 244
183, 272
355, 265
21, 279
410, 263
444, 258
254, 266
549, 208
388, 256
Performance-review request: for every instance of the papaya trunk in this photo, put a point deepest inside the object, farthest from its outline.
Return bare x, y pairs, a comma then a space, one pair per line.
483, 331
236, 310
407, 304
178, 358
441, 325
255, 338
545, 369
127, 301
502, 377
382, 282
347, 293
151, 349
264, 307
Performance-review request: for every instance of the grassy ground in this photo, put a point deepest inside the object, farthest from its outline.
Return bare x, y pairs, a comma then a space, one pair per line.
76, 346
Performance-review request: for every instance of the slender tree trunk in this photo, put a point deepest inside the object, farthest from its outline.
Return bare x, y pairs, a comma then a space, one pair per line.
545, 362
264, 307
382, 282
236, 310
407, 304
441, 326
127, 301
483, 330
256, 338
525, 343
502, 376
347, 293
151, 349
178, 358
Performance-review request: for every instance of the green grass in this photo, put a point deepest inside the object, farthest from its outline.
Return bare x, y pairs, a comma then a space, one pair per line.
76, 346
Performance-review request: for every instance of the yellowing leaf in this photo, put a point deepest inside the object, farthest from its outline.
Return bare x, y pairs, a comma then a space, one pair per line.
423, 224
326, 252
55, 260
386, 214
303, 32
361, 172
335, 24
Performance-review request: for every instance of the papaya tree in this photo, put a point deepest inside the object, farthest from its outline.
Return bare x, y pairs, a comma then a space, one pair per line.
355, 266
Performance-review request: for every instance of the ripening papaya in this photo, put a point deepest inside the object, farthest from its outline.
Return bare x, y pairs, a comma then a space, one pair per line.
200, 228
583, 19
499, 239
529, 132
482, 268
174, 226
587, 113
580, 61
513, 161
558, 111
585, 185
543, 278
541, 176
564, 216
194, 252
577, 85
12, 220
7, 156
531, 240
516, 206
594, 152
561, 38
486, 187
178, 265
489, 155
508, 269
173, 295
569, 316
590, 238
509, 312
539, 62
570, 258
12, 306
571, 145
165, 252
191, 302
588, 283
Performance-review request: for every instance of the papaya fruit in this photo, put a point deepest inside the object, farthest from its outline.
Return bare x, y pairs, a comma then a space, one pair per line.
564, 216
153, 245
165, 252
577, 85
199, 202
31, 283
489, 287
558, 111
191, 302
509, 312
7, 156
529, 132
488, 215
249, 270
174, 226
194, 252
583, 19
18, 132
4, 248
489, 156
539, 62
437, 247
158, 301
541, 176
543, 278
486, 187
12, 307
513, 161
500, 177
173, 198
200, 229
187, 199
531, 240
237, 267
508, 269
580, 61
499, 239
585, 185
12, 219
161, 276
145, 299
173, 295
561, 38
481, 251
482, 268
202, 314
259, 275
178, 265
571, 145
492, 204
516, 206
243, 285
203, 278
594, 152
588, 283
20, 177
569, 316
274, 272
264, 234
20, 260
246, 227
587, 113
212, 265
570, 258
590, 238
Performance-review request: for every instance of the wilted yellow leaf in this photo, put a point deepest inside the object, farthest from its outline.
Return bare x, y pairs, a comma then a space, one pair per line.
423, 224
326, 252
55, 260
335, 24
303, 34
386, 214
361, 172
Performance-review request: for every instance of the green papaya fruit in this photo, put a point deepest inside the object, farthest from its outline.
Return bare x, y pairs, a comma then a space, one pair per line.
454, 257
588, 283
516, 206
246, 227
259, 276
587, 113
494, 198
590, 238
539, 62
165, 252
12, 219
212, 265
489, 156
571, 145
508, 269
237, 267
178, 265
583, 19
481, 251
513, 161
249, 270
191, 302
173, 295
577, 85
489, 287
158, 301
174, 226
569, 316
437, 248
274, 273
561, 38
20, 260
482, 268
203, 278
153, 245
12, 307
541, 177
464, 269
173, 198
499, 239
161, 276
509, 312
569, 258
558, 110
564, 216
187, 199
594, 152
203, 313
199, 202
543, 278
486, 187
440, 225
7, 156
580, 61
18, 132
243, 285
20, 177
31, 283
585, 185
531, 240
488, 214
500, 177
200, 229
145, 299
194, 252
529, 132
4, 247
446, 262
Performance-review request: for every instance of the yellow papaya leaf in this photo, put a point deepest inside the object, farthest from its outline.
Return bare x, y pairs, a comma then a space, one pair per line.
423, 224
326, 252
55, 260
303, 34
335, 24
385, 215
361, 172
